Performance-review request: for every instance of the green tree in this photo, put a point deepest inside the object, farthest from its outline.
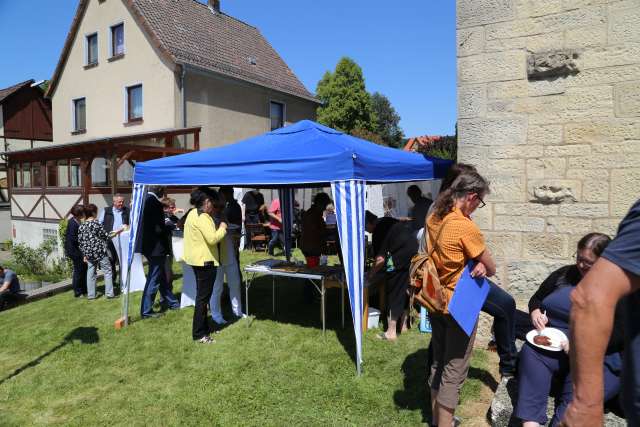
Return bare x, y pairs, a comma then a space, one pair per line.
346, 104
387, 120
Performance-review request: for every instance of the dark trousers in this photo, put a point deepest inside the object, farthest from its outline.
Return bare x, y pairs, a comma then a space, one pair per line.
205, 276
502, 307
5, 296
276, 235
79, 278
536, 373
156, 281
631, 368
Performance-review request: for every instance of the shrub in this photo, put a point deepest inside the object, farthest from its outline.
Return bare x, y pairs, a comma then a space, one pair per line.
37, 261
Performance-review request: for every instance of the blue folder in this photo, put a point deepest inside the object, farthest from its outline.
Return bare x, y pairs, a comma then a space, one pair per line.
468, 299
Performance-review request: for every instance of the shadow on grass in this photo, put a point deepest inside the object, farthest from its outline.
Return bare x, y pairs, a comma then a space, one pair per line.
291, 307
415, 394
86, 335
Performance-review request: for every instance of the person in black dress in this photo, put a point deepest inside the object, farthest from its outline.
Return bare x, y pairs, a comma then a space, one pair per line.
72, 251
394, 255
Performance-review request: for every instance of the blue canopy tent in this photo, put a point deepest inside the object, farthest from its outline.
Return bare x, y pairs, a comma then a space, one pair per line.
305, 154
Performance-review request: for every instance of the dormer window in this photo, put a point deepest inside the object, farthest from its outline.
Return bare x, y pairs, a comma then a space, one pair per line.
117, 40
92, 49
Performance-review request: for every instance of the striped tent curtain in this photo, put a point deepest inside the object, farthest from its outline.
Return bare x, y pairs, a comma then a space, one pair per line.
286, 208
137, 203
349, 200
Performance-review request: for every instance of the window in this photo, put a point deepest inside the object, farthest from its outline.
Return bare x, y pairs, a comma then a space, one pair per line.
49, 233
277, 115
75, 173
26, 175
117, 40
134, 103
79, 115
36, 175
17, 176
52, 173
101, 172
92, 49
63, 173
125, 173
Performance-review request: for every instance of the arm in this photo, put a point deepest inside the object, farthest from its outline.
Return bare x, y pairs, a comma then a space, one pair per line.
591, 322
486, 266
549, 285
208, 229
5, 286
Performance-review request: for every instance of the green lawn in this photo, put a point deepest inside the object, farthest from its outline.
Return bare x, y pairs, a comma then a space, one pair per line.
63, 363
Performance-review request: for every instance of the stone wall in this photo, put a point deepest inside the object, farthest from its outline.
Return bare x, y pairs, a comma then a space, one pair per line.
549, 111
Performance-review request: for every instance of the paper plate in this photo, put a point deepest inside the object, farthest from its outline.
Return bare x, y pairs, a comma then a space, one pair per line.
555, 335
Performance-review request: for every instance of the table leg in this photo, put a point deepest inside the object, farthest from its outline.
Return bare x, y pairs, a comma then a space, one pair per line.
322, 308
273, 295
342, 302
365, 310
246, 293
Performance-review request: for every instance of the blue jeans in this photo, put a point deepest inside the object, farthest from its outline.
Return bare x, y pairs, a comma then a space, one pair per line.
157, 280
276, 235
502, 307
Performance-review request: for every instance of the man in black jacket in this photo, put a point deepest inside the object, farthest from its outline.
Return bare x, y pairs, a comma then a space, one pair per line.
113, 218
72, 250
154, 242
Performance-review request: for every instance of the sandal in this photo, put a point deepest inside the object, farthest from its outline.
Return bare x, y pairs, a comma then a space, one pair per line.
206, 340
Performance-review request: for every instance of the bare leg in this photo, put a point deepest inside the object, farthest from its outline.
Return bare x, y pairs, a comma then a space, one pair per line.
530, 424
434, 407
391, 329
404, 325
445, 415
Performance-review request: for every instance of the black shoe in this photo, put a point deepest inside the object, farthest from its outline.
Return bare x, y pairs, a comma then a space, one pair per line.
112, 296
152, 315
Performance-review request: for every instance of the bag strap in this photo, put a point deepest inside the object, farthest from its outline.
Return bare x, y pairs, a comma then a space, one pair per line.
431, 249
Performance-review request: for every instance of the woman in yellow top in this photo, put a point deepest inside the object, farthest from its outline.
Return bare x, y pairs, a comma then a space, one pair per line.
202, 252
456, 240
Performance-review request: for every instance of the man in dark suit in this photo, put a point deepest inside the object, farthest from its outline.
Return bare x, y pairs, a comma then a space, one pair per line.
154, 242
72, 250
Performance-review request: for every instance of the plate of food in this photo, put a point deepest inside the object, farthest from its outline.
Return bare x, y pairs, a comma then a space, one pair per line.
549, 338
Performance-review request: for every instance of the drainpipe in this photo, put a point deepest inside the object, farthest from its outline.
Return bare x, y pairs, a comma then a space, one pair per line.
183, 95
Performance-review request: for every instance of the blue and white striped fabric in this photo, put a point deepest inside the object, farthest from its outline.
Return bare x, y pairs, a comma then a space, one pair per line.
349, 199
286, 207
137, 200
137, 203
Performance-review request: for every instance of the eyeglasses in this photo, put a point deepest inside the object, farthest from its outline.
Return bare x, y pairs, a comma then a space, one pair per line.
482, 203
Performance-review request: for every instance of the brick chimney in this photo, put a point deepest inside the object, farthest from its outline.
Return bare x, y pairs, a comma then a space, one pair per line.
214, 5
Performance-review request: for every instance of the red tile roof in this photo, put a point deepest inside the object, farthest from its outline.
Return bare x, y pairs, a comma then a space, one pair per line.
422, 141
188, 32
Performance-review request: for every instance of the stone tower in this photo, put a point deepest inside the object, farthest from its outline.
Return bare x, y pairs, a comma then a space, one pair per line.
549, 111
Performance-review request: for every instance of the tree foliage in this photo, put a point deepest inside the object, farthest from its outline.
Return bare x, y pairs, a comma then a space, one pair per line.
387, 124
346, 104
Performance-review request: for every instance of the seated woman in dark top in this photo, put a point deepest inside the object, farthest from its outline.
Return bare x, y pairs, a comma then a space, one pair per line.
550, 306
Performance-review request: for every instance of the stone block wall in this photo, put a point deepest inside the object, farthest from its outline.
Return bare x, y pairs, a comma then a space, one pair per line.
549, 111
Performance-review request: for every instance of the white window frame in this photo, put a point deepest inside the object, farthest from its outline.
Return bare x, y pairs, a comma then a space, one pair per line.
74, 124
124, 46
125, 118
284, 111
86, 48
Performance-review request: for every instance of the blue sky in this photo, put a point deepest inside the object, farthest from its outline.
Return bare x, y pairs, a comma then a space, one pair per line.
406, 48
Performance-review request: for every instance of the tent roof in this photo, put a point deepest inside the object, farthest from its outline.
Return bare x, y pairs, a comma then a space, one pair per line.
303, 154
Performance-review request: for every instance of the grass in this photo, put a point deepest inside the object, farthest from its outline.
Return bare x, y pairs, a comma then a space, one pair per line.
63, 363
